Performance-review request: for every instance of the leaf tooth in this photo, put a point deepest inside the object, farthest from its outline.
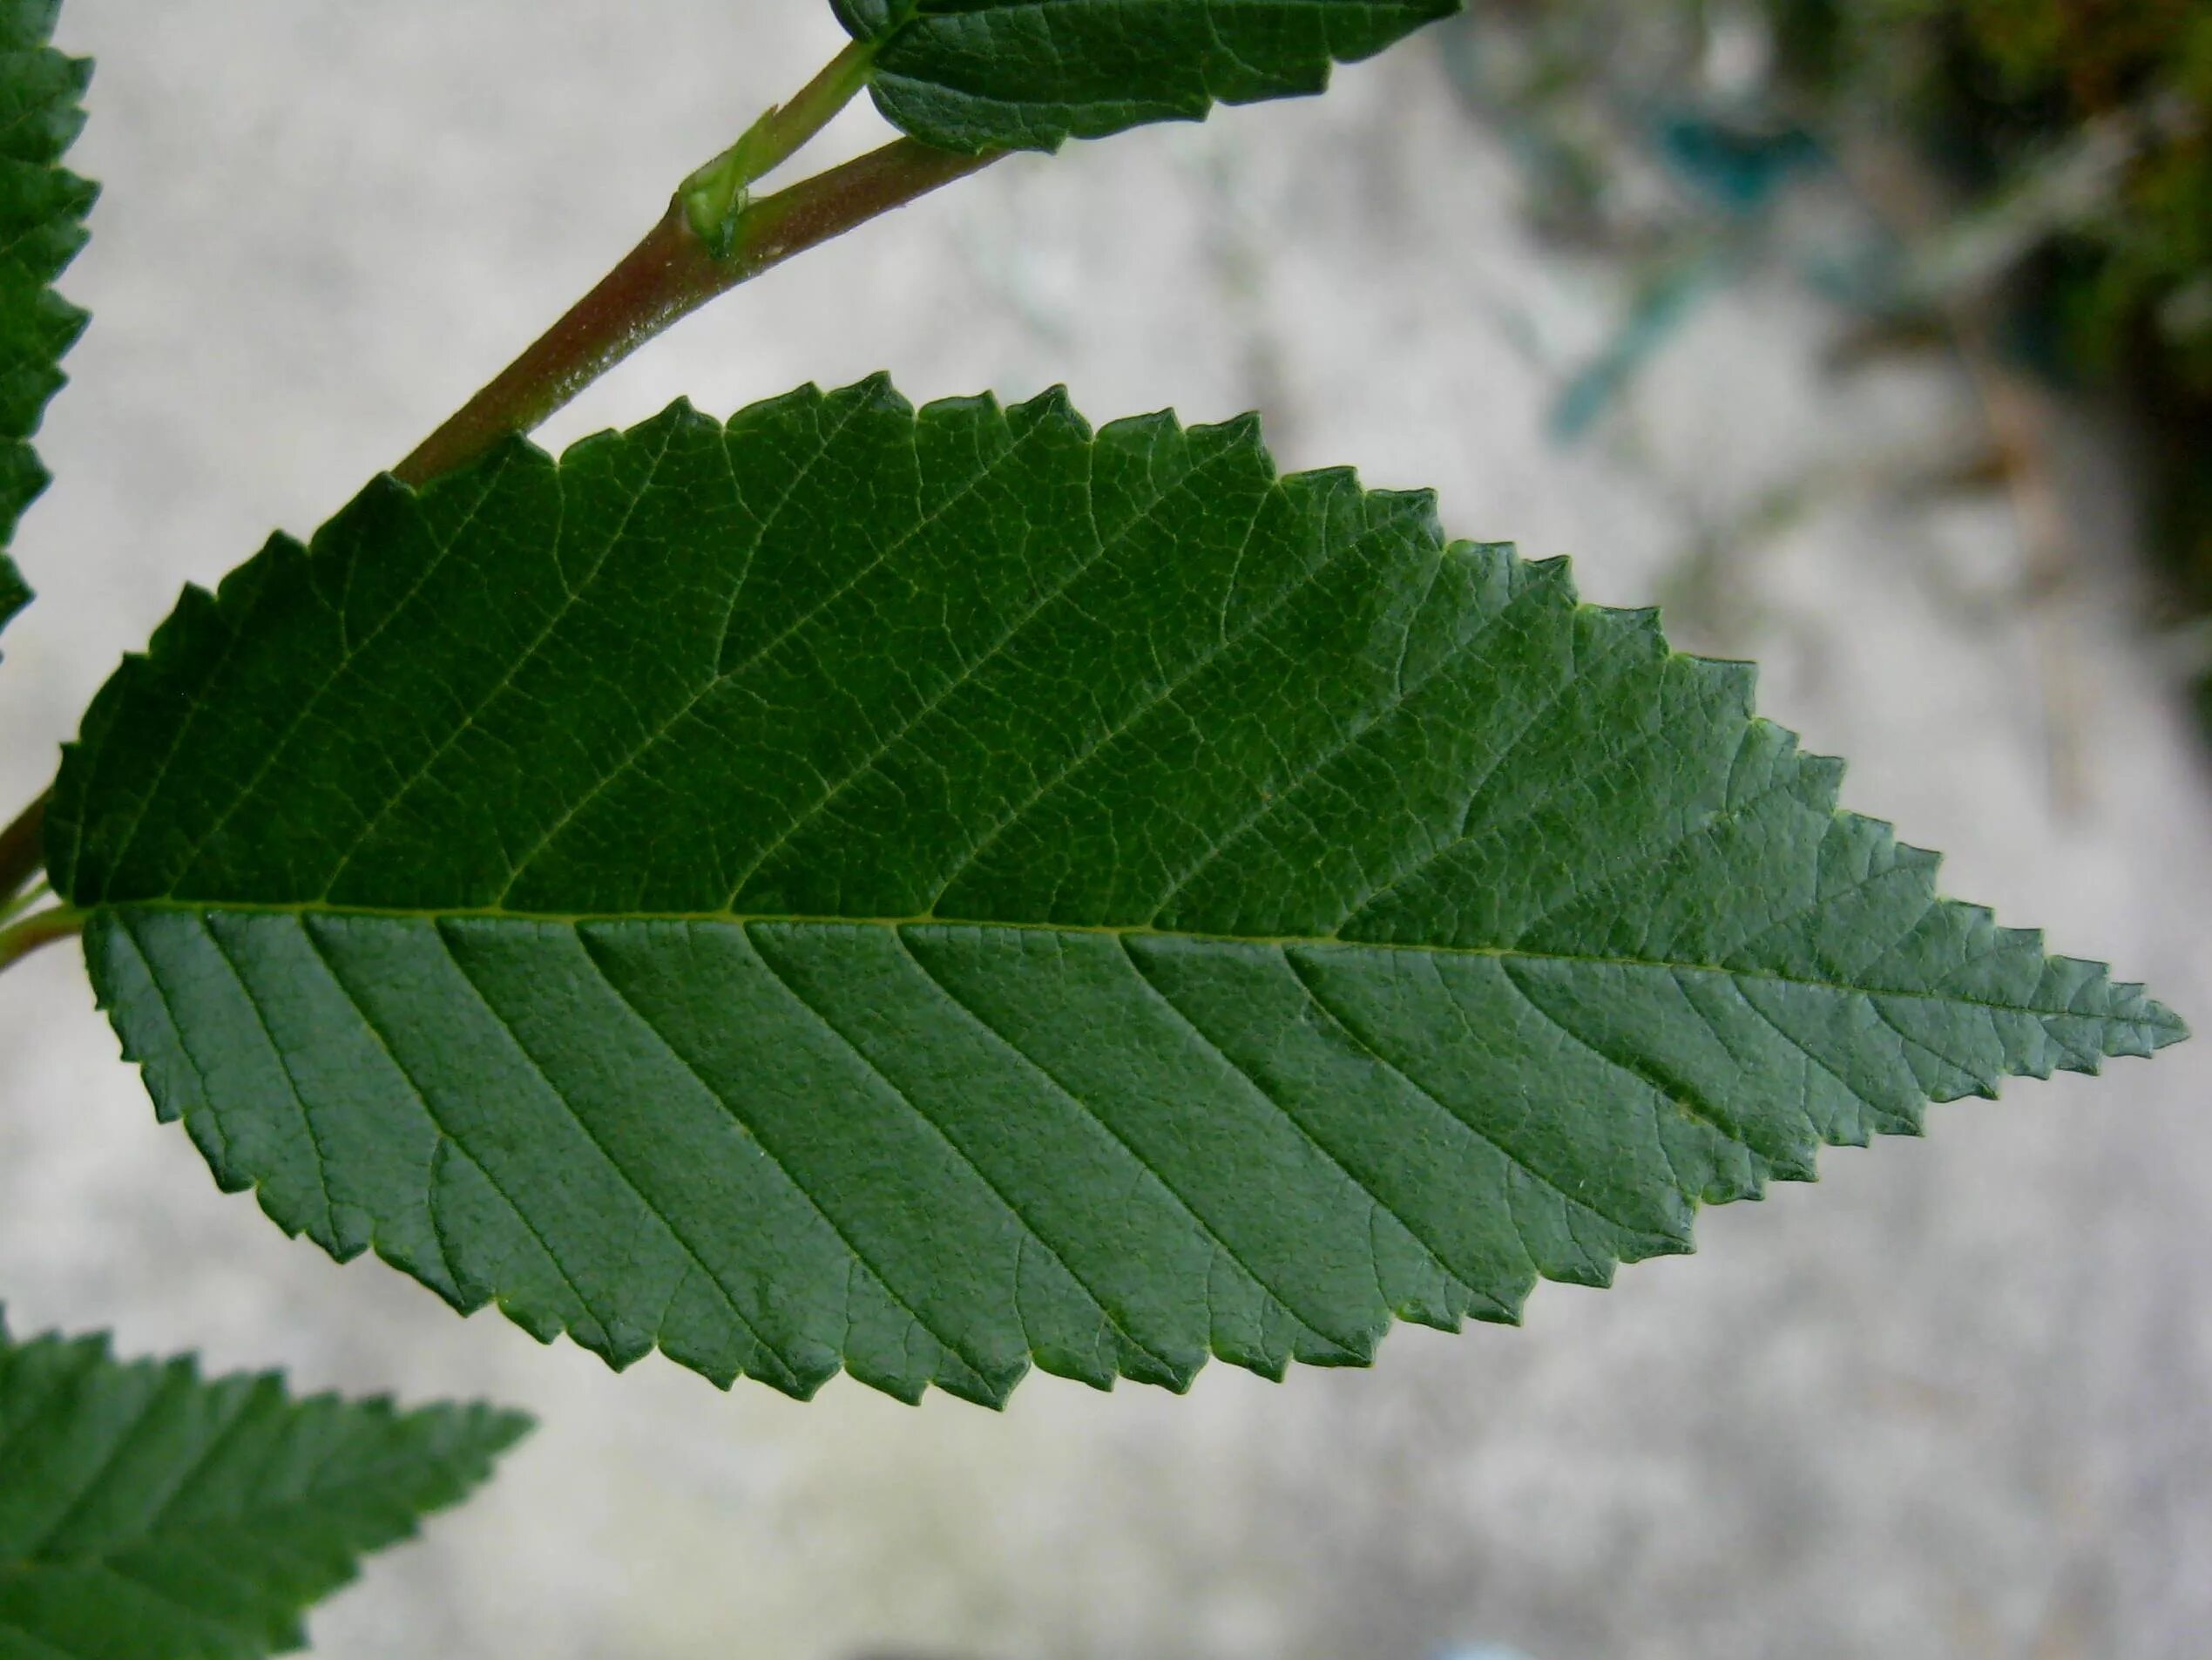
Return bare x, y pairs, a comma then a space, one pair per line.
967, 405
1244, 431
1556, 574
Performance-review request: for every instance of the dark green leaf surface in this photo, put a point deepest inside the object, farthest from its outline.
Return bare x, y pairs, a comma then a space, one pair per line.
42, 227
938, 894
147, 1514
976, 75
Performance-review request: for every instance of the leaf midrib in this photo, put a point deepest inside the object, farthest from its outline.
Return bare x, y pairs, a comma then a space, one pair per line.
318, 1498
1135, 930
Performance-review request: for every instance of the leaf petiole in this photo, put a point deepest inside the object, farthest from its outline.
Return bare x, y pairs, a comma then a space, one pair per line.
716, 197
37, 894
20, 939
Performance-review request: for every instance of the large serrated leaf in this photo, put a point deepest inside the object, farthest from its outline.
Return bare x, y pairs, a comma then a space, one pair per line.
147, 1514
938, 894
42, 228
977, 75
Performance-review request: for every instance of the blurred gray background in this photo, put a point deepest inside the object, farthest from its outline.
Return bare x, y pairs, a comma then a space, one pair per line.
1956, 1401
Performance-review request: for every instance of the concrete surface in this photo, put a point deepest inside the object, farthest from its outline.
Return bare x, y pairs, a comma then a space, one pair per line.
1956, 1401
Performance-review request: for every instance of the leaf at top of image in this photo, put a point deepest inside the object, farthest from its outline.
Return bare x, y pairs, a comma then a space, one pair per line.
976, 75
149, 1514
940, 893
42, 228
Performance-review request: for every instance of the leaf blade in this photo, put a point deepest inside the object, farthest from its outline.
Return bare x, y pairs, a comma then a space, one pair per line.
977, 75
941, 893
145, 1512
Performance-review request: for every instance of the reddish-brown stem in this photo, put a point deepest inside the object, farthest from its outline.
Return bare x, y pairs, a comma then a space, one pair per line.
669, 275
634, 301
23, 851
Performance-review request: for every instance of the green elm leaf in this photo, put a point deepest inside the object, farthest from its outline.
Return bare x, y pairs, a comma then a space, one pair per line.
976, 75
941, 893
148, 1514
42, 227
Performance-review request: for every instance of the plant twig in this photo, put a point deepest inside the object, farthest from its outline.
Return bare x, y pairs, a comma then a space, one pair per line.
20, 940
669, 275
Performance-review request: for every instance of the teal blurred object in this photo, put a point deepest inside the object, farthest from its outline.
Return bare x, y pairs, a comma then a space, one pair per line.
1743, 170
1666, 299
1737, 165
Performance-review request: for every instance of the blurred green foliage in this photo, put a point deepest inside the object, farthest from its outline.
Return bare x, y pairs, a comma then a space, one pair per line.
2042, 168
2127, 287
1994, 86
